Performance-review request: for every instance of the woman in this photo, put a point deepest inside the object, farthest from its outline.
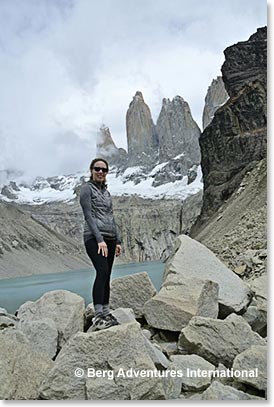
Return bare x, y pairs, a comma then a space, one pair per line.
101, 238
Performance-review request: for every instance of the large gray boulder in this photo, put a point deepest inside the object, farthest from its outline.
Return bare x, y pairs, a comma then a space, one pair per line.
43, 335
193, 260
219, 391
116, 350
156, 354
131, 291
179, 300
254, 357
65, 308
100, 388
124, 315
192, 366
21, 368
219, 341
172, 385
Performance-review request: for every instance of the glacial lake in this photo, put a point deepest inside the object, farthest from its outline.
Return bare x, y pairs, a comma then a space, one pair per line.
14, 292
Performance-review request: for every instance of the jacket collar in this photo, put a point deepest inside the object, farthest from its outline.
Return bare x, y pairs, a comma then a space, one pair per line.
99, 185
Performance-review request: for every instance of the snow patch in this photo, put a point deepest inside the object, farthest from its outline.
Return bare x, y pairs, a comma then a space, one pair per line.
62, 188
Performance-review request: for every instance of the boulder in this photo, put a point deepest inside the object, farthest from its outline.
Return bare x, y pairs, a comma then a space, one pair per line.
191, 396
131, 291
168, 348
219, 341
254, 357
191, 260
22, 369
88, 315
147, 333
116, 350
179, 300
24, 307
223, 377
219, 391
102, 388
257, 319
259, 286
65, 308
172, 386
191, 366
159, 359
43, 335
226, 378
124, 315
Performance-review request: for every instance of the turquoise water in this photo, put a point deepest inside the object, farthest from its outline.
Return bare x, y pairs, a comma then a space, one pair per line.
14, 292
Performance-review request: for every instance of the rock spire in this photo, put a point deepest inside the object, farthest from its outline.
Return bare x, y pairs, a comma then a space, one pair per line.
215, 97
141, 134
177, 131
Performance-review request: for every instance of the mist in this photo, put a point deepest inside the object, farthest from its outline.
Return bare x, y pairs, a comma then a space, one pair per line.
68, 66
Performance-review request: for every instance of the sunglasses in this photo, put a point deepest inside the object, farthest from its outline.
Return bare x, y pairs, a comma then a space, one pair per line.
98, 169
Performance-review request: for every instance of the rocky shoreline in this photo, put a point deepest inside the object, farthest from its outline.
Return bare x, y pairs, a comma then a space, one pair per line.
202, 336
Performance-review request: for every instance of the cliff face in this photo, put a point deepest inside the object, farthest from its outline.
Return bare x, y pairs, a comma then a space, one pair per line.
235, 140
246, 62
237, 232
148, 227
177, 131
215, 97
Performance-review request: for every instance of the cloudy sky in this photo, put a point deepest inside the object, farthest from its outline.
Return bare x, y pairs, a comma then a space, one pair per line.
67, 66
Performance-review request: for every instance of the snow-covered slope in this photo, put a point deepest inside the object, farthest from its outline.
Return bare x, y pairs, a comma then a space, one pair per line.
132, 181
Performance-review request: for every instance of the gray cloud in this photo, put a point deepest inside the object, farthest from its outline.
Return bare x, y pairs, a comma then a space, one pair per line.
68, 66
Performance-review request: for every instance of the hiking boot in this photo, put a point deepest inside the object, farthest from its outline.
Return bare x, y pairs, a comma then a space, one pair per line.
99, 323
112, 319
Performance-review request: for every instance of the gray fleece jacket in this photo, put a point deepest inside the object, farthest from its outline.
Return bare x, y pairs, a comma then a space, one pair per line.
96, 204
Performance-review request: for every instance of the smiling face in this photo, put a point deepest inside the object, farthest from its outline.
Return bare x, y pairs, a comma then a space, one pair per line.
99, 171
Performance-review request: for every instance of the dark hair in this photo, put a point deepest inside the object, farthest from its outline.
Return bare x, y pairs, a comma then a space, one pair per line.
93, 162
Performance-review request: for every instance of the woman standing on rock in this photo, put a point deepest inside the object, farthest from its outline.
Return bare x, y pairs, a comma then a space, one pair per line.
101, 238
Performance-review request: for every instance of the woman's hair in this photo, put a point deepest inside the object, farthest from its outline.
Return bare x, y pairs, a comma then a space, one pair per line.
93, 162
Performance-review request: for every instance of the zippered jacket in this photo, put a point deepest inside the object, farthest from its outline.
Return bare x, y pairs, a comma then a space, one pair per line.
96, 204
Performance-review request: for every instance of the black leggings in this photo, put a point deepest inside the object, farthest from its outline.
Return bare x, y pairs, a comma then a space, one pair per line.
103, 267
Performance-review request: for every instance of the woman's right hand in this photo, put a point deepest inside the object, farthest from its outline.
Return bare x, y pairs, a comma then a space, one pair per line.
102, 247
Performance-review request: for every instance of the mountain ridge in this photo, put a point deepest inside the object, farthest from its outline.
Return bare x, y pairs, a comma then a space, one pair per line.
28, 247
